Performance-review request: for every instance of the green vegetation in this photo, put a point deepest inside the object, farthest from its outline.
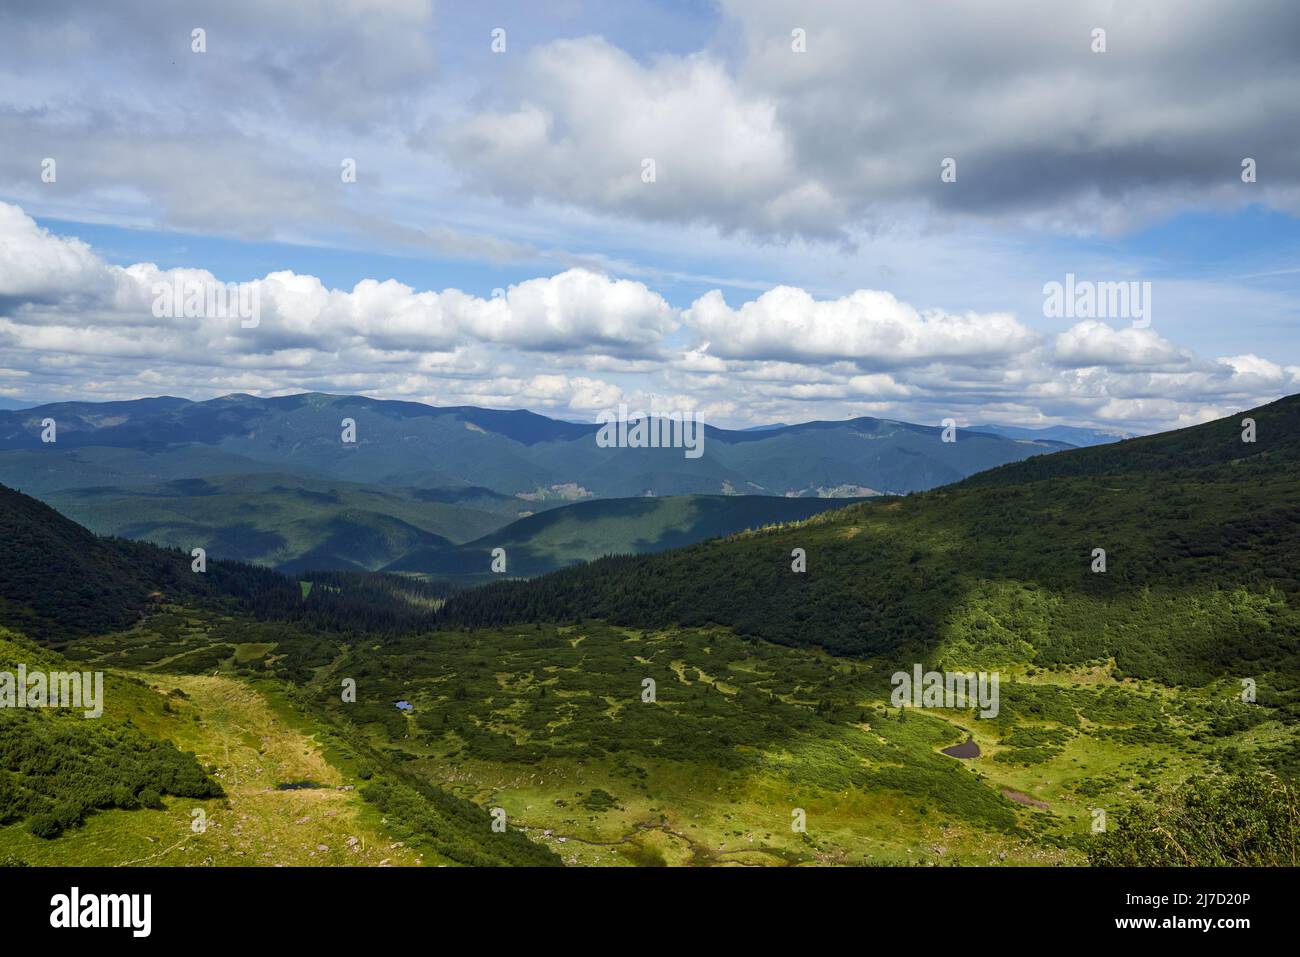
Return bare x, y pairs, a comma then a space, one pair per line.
589, 530
102, 791
550, 722
451, 827
702, 706
1248, 821
56, 766
55, 772
284, 521
1201, 579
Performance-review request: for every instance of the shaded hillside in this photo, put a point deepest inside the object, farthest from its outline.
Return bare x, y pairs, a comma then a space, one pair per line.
56, 575
59, 581
585, 531
289, 522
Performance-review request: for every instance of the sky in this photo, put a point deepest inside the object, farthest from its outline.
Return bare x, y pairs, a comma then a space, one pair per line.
757, 211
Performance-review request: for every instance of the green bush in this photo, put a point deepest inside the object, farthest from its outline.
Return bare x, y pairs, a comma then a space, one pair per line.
1245, 821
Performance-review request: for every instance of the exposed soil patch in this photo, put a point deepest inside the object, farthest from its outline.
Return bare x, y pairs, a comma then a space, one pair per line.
1024, 799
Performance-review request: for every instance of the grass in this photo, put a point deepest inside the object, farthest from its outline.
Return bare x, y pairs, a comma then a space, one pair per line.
536, 720
251, 747
549, 723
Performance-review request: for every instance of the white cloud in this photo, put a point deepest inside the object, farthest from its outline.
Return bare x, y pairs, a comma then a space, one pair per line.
1092, 343
75, 326
719, 156
868, 327
576, 310
754, 136
39, 267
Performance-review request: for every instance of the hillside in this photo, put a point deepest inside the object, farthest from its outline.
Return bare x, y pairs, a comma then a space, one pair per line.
56, 575
302, 525
285, 521
187, 724
585, 531
59, 582
1201, 532
1211, 446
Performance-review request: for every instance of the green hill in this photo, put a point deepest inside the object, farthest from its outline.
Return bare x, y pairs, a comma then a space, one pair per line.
585, 531
1201, 533
306, 525
193, 720
59, 582
283, 520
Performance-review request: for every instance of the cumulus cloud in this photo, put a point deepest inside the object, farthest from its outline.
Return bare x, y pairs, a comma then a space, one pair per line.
38, 267
750, 138
853, 130
868, 327
718, 155
74, 326
1092, 343
576, 310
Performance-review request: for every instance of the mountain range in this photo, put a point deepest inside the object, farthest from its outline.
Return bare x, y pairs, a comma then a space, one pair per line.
273, 481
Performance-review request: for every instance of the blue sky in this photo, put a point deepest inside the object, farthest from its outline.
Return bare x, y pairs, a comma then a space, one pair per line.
796, 255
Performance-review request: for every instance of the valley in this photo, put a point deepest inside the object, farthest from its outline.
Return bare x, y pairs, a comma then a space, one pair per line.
550, 724
715, 704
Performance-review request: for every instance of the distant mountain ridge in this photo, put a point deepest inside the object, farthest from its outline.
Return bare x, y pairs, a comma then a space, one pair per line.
1080, 438
272, 481
144, 441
